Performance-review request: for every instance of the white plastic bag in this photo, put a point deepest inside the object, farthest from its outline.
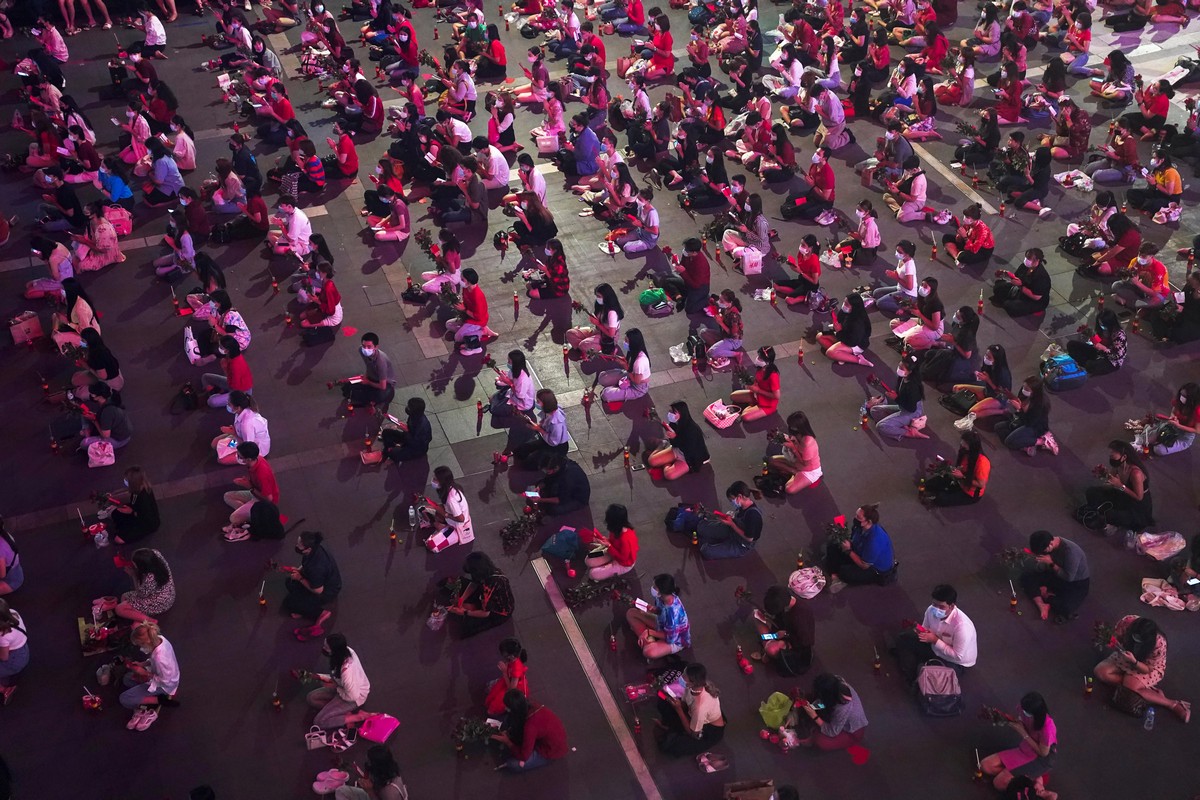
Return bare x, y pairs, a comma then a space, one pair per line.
807, 582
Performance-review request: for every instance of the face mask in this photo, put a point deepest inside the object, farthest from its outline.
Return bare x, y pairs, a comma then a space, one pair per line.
1026, 392
923, 291
367, 351
958, 319
899, 256
845, 308
403, 115
1143, 260
126, 482
939, 613
746, 207
672, 416
1029, 262
890, 136
434, 483
131, 114
183, 201
549, 252
988, 360
230, 409
599, 300
901, 372
1115, 462
538, 405
654, 591
532, 59
816, 159
299, 549
402, 38
472, 24
1183, 398
858, 212
759, 362
804, 250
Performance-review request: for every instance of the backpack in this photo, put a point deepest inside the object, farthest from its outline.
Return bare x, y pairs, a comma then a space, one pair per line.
563, 544
1060, 373
682, 518
960, 402
697, 349
186, 398
265, 522
771, 484
120, 218
938, 691
790, 209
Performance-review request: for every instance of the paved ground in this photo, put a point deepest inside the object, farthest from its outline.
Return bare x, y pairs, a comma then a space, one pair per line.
233, 654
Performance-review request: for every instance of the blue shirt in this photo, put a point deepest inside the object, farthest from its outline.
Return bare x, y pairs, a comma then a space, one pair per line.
873, 546
673, 621
587, 150
117, 189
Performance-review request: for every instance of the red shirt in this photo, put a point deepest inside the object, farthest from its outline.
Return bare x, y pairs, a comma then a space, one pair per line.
636, 12
598, 43
283, 108
544, 732
768, 384
821, 177
262, 480
624, 548
256, 209
1159, 105
476, 306
237, 372
328, 299
663, 41
696, 270
345, 147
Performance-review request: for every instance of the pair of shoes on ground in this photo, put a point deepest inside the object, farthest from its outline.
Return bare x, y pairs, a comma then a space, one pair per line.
236, 533
330, 781
142, 719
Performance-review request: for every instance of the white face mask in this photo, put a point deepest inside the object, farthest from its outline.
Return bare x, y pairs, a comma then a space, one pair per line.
900, 373
845, 308
434, 483
923, 291
746, 207
367, 351
1029, 262
672, 416
762, 362
890, 136
1143, 260
1026, 391
858, 212
816, 158
988, 360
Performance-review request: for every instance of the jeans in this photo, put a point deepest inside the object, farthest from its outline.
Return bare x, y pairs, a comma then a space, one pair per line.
1135, 297
887, 299
137, 694
637, 241
333, 708
726, 348
534, 761
719, 541
17, 661
220, 385
1017, 437
893, 421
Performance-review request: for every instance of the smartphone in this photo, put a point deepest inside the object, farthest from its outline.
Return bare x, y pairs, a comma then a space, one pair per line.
492, 723
354, 380
769, 637
668, 692
819, 706
1193, 581
533, 494
113, 120
255, 105
921, 628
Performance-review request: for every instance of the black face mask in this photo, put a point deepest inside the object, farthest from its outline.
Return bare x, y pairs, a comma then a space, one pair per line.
300, 550
1116, 462
233, 147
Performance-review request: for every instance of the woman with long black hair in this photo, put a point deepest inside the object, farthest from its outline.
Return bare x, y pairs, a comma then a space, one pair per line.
605, 319
615, 552
1125, 493
137, 517
448, 515
684, 450
1034, 757
899, 408
533, 734
993, 384
515, 391
379, 778
153, 587
851, 333
1139, 663
632, 380
483, 597
761, 397
1104, 351
956, 357
835, 713
800, 458
345, 687
694, 723
967, 479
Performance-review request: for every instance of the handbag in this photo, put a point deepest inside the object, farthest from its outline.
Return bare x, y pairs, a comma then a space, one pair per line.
547, 145
378, 728
1094, 518
721, 416
316, 738
101, 454
959, 402
806, 582
1128, 701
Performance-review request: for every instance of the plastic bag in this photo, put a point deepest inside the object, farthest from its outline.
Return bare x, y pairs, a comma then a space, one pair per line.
774, 710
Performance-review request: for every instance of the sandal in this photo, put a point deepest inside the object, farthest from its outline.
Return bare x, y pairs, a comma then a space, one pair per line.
306, 633
1180, 705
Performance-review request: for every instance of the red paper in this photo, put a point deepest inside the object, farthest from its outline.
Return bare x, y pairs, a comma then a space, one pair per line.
840, 519
858, 754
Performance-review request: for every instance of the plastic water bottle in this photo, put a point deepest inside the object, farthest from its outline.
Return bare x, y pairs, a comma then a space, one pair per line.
412, 517
1149, 723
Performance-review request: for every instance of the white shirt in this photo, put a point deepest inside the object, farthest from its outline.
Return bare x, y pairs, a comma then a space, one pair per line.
703, 709
498, 164
299, 230
523, 392
957, 641
918, 189
456, 505
537, 185
907, 267
164, 669
352, 684
156, 34
14, 639
459, 130
641, 366
250, 426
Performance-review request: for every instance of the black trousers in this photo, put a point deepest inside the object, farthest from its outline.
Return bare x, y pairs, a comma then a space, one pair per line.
1066, 596
676, 741
839, 562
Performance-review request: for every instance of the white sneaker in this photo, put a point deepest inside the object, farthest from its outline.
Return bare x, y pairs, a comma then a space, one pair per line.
246, 6
836, 586
1045, 211
471, 351
136, 719
147, 719
826, 218
1049, 442
718, 363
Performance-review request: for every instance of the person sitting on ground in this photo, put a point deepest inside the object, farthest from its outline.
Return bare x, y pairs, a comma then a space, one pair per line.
1139, 663
850, 334
533, 735
344, 689
257, 486
378, 380
12, 573
1125, 492
905, 405
807, 264
905, 292
664, 629
866, 557
1026, 291
312, 586
248, 426
945, 632
973, 242
722, 535
486, 599
835, 716
474, 320
410, 439
152, 680
1175, 431
761, 398
967, 480
449, 516
563, 489
1147, 285
692, 724
550, 434
137, 516
1034, 757
513, 676
1060, 579
1028, 424
792, 624
800, 458
235, 374
605, 320
14, 650
632, 380
615, 553
684, 451
153, 587
110, 423
1104, 351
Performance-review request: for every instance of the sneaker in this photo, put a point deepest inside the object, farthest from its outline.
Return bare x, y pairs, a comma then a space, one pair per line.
147, 719
1045, 211
955, 165
136, 719
237, 535
826, 218
471, 351
836, 586
1049, 442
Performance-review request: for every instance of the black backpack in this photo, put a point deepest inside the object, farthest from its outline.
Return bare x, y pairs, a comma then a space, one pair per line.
186, 398
698, 350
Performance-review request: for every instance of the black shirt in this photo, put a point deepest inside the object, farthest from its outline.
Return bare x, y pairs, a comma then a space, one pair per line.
750, 520
66, 197
103, 363
856, 329
909, 392
1036, 280
568, 484
246, 166
690, 441
321, 572
420, 433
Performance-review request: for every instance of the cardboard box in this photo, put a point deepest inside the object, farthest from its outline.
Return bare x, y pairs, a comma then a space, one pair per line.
26, 327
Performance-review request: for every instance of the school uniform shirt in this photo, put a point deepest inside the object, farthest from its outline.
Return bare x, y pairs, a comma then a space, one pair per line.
250, 426
523, 391
456, 505
156, 34
957, 641
352, 683
299, 230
